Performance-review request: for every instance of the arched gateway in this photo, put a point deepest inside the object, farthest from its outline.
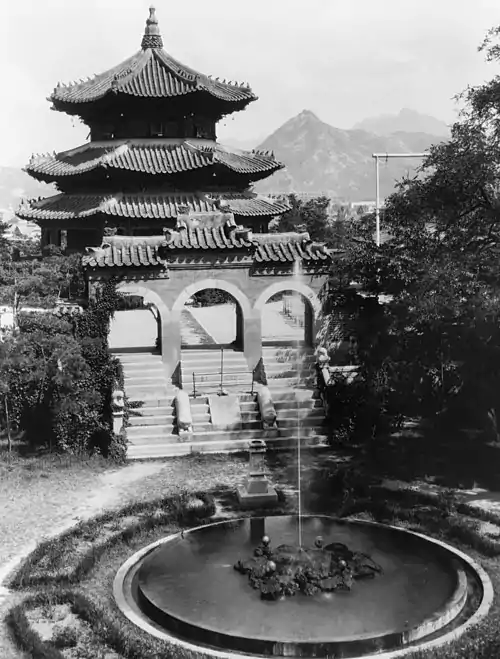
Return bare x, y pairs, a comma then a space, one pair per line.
158, 203
251, 267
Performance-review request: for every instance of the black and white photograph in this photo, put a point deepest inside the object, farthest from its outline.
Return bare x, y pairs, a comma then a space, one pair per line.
250, 329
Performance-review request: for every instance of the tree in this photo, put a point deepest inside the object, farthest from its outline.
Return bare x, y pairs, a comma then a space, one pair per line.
48, 385
313, 216
438, 342
39, 282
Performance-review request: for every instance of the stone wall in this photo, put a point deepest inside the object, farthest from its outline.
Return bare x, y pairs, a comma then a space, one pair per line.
170, 289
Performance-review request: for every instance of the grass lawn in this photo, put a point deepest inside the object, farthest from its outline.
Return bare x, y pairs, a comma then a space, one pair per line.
37, 496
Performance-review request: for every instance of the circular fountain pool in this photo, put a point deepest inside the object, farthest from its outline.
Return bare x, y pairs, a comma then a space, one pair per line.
186, 586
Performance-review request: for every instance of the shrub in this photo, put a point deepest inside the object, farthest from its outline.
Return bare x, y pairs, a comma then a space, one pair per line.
58, 377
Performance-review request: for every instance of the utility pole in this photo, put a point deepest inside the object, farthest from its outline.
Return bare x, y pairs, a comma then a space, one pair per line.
386, 156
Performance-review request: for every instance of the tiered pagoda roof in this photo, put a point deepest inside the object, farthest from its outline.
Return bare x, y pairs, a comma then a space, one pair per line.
152, 149
151, 156
159, 206
150, 73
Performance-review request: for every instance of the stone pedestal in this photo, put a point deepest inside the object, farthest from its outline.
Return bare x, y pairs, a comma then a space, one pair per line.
117, 422
256, 494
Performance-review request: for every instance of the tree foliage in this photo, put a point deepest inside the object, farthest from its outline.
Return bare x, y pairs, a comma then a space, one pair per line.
434, 343
322, 220
57, 375
36, 281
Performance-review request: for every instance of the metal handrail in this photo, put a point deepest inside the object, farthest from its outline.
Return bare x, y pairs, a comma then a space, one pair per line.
224, 376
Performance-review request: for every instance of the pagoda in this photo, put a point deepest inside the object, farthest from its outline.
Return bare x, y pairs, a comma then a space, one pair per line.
152, 155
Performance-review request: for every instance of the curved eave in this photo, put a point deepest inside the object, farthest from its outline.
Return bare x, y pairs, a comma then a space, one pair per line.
159, 206
151, 158
155, 251
150, 73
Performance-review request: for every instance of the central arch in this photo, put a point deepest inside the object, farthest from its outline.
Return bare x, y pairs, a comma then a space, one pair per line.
222, 285
242, 311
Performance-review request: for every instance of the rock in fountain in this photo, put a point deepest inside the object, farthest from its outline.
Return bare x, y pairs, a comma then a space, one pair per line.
256, 491
290, 569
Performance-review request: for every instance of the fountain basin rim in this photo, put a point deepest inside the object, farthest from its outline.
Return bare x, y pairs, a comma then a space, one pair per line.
123, 597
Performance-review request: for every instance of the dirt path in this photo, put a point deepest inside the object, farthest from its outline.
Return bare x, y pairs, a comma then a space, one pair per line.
54, 513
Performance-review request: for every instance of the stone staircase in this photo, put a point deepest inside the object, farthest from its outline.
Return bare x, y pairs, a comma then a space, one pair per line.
291, 378
251, 423
206, 365
152, 425
152, 430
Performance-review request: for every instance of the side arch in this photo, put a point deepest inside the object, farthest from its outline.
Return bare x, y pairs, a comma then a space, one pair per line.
220, 284
288, 285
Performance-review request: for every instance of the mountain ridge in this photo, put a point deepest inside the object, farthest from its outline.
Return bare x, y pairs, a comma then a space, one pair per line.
320, 158
406, 121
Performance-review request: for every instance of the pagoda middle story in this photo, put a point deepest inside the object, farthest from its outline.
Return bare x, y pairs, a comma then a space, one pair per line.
152, 149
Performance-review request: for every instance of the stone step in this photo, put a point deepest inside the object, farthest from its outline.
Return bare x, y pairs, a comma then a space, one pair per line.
248, 398
258, 433
159, 451
152, 410
294, 404
203, 377
284, 384
290, 417
214, 364
133, 380
251, 415
149, 387
140, 433
200, 417
159, 420
198, 408
138, 357
191, 357
303, 423
249, 406
213, 390
245, 425
134, 366
284, 395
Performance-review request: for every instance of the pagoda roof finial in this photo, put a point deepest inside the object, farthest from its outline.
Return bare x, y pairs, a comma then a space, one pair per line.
152, 37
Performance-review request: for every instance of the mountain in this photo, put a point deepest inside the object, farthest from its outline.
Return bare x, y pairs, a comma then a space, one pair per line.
407, 121
16, 184
321, 159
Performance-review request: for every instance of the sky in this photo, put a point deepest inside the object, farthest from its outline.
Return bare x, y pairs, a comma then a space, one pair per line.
343, 59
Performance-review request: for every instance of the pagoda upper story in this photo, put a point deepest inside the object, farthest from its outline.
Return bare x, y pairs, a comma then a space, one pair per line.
151, 95
153, 140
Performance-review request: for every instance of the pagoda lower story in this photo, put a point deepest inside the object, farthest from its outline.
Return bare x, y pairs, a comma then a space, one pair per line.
76, 221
